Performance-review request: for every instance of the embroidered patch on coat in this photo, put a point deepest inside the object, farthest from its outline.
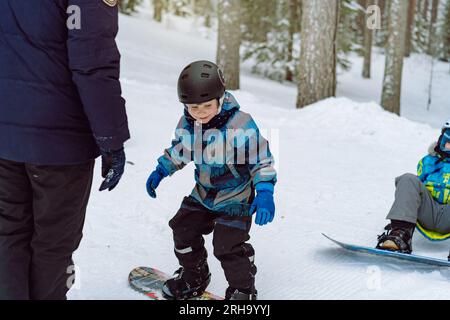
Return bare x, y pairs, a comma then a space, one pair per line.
111, 3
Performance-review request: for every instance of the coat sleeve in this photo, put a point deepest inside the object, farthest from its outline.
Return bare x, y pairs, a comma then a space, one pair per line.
262, 162
257, 152
94, 61
179, 154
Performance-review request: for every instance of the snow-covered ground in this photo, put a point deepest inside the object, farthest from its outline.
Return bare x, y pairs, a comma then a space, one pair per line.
337, 161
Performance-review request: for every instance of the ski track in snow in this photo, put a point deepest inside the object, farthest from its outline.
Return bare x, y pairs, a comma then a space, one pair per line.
337, 161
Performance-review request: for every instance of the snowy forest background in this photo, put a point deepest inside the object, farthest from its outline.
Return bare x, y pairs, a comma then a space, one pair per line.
307, 42
326, 91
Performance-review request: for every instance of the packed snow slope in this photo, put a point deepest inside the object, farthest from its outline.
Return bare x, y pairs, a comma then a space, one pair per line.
337, 161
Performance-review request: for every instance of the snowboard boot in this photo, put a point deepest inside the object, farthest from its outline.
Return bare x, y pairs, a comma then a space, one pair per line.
397, 237
241, 294
187, 284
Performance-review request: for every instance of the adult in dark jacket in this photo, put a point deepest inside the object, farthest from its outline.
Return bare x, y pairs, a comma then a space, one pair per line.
60, 108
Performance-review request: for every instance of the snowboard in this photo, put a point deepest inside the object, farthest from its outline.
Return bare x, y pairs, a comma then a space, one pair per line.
150, 281
396, 255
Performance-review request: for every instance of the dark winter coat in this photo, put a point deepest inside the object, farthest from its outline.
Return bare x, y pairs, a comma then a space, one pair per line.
59, 86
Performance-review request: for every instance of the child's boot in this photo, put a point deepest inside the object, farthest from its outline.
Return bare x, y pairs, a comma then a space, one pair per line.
187, 284
241, 294
397, 238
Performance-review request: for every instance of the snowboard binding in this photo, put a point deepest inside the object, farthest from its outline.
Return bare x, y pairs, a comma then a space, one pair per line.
249, 293
187, 284
396, 240
237, 294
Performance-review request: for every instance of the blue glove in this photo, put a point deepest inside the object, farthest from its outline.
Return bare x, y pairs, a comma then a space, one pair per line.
113, 166
263, 204
155, 179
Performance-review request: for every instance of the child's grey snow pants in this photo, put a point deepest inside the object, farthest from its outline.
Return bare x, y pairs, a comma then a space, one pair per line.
42, 211
231, 234
414, 203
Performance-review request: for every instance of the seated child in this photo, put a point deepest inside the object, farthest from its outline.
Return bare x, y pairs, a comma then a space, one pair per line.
422, 199
232, 160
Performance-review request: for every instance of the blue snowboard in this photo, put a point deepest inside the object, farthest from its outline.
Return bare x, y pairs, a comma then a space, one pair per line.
390, 254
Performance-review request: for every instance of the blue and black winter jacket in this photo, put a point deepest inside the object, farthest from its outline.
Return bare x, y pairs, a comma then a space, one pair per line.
231, 158
434, 171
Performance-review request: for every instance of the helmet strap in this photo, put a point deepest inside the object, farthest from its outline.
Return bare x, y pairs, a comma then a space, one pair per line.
220, 102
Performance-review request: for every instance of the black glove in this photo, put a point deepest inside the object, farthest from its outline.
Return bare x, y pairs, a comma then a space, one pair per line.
113, 166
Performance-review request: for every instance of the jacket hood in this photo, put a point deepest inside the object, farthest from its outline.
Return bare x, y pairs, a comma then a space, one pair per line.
229, 102
434, 151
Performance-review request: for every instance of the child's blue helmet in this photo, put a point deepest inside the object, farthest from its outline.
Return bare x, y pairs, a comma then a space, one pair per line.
444, 139
446, 125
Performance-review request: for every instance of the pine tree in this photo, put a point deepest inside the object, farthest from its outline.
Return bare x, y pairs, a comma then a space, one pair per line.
350, 33
276, 57
273, 54
317, 69
395, 51
353, 34
258, 19
203, 8
229, 40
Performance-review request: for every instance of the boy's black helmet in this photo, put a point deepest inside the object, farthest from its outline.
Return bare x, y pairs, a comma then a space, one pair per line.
199, 82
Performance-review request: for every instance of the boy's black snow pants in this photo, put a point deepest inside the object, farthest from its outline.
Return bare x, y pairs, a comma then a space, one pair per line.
193, 221
42, 211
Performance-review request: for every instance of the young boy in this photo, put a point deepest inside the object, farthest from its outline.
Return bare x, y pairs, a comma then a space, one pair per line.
232, 161
423, 199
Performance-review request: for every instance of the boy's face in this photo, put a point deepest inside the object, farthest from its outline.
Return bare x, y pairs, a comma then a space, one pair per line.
447, 146
203, 112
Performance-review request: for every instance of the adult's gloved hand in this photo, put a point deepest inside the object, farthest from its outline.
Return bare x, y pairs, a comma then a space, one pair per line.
113, 167
263, 203
155, 179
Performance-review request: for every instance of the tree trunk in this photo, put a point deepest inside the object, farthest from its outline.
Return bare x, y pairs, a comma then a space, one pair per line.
208, 14
229, 41
317, 69
361, 19
410, 27
381, 37
121, 6
446, 50
368, 40
432, 33
131, 5
293, 28
158, 7
395, 52
425, 5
